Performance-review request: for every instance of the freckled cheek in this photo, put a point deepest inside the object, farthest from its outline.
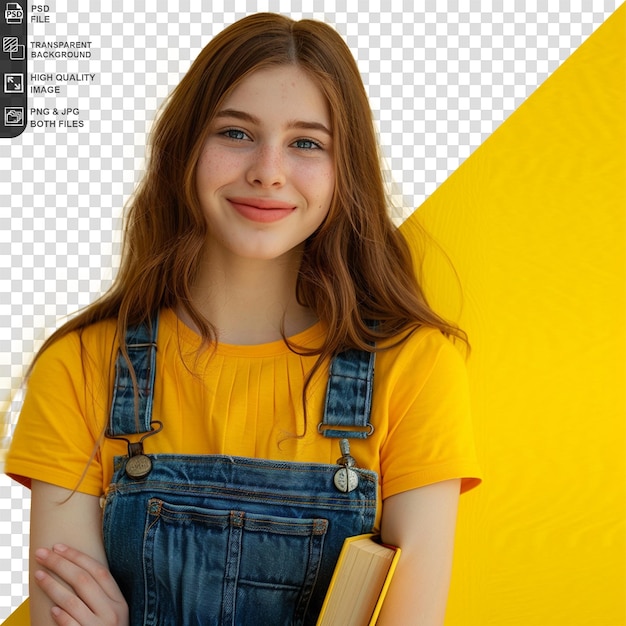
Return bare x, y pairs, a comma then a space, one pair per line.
215, 169
318, 184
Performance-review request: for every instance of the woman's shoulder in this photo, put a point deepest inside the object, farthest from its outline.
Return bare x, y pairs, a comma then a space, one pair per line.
94, 341
423, 342
420, 354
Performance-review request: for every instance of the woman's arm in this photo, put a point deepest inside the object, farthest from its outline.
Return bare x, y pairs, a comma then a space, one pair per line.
422, 523
73, 579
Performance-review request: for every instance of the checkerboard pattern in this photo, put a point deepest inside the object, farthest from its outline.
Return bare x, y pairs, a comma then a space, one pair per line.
441, 78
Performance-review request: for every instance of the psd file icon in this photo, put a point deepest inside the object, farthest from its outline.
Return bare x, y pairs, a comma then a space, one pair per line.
13, 13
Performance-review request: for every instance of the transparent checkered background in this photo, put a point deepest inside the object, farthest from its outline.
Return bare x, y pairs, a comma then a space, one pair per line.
440, 79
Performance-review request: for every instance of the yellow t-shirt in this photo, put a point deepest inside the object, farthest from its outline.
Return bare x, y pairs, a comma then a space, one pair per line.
244, 401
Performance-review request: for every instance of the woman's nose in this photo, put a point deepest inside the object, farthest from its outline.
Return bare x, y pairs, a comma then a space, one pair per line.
267, 168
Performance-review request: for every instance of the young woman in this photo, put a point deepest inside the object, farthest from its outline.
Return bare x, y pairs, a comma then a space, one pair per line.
200, 441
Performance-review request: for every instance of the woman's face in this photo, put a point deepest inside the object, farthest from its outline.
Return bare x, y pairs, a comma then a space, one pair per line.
265, 177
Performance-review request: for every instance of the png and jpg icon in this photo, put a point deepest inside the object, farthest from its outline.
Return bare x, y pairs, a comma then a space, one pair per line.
14, 116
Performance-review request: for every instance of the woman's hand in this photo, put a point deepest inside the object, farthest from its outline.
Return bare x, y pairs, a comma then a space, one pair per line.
70, 586
90, 595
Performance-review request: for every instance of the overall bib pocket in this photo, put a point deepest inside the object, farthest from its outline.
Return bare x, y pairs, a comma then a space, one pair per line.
223, 541
228, 566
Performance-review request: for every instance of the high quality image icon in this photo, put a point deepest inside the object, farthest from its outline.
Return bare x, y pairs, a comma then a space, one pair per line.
14, 83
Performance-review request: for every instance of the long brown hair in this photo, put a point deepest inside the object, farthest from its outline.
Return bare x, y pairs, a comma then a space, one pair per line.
356, 266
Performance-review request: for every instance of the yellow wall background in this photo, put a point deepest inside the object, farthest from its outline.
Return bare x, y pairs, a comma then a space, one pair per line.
534, 225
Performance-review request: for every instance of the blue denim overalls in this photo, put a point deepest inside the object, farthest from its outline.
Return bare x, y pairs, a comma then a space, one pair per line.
217, 540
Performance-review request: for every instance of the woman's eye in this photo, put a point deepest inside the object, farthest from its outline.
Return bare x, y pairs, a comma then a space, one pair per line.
235, 133
307, 144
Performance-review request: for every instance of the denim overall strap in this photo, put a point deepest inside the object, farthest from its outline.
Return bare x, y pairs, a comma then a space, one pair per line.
141, 347
349, 396
347, 405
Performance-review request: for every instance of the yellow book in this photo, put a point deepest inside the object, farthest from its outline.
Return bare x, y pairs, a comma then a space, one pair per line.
359, 583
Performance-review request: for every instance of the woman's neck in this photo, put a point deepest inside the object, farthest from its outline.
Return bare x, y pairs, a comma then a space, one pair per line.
248, 300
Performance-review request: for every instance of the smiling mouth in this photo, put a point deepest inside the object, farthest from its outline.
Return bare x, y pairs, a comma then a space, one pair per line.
261, 210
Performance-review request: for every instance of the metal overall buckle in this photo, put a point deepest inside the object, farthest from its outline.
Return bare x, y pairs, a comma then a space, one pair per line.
345, 478
139, 465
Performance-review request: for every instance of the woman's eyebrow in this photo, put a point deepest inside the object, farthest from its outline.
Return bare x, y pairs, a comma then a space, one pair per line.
248, 117
309, 126
240, 115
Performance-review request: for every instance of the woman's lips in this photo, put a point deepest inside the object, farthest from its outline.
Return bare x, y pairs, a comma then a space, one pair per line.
261, 209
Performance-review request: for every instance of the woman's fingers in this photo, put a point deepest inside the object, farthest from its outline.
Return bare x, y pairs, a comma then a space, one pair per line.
99, 572
89, 595
62, 618
69, 605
